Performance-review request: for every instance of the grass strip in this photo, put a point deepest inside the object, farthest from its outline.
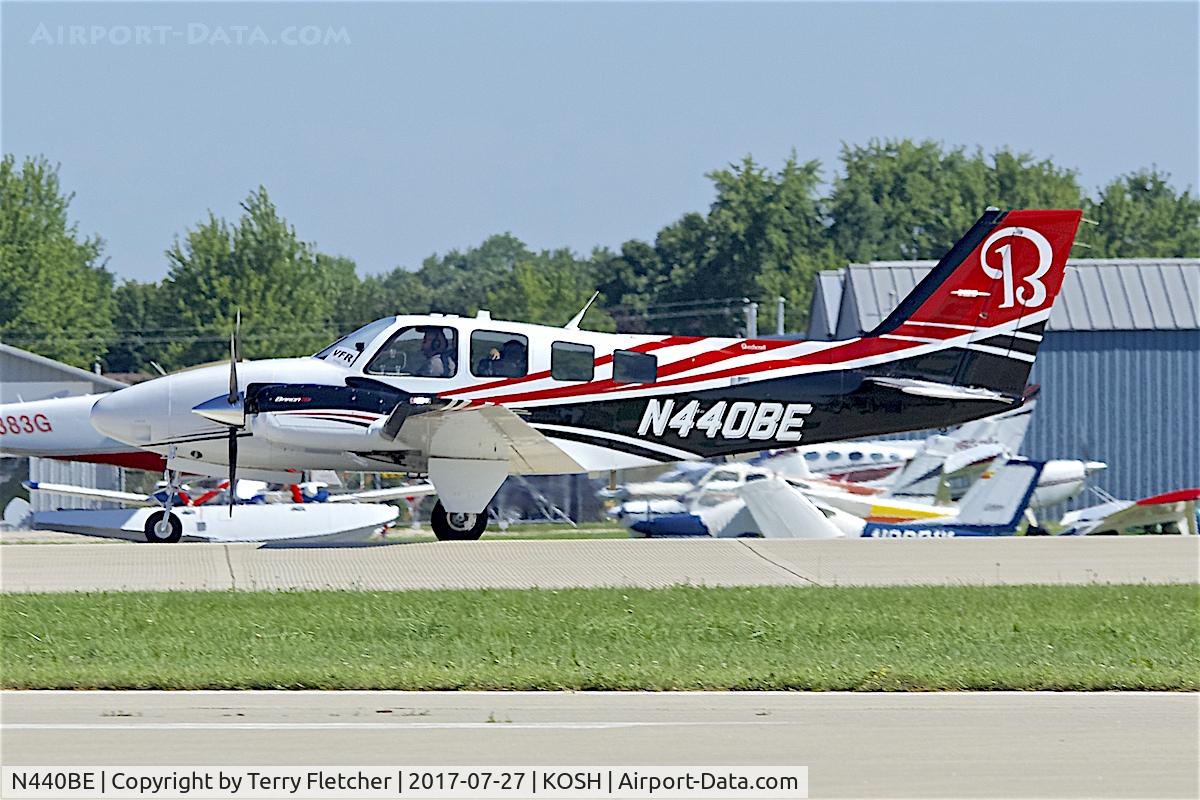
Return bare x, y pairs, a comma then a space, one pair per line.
868, 639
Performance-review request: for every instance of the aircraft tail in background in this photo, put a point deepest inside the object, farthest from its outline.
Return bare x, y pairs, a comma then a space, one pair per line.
993, 506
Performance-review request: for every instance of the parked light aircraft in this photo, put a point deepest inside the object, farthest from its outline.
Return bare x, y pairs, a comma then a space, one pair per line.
1170, 512
60, 427
763, 505
467, 401
263, 516
771, 506
995, 505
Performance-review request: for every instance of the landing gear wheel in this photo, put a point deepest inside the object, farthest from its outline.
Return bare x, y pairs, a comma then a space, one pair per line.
457, 527
163, 528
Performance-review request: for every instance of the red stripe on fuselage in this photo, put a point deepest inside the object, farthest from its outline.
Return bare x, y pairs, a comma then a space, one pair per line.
852, 350
137, 459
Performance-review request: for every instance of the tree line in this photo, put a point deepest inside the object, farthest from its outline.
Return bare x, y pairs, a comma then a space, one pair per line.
766, 234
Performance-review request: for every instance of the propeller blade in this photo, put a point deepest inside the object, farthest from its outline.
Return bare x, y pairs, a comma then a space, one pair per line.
235, 355
233, 447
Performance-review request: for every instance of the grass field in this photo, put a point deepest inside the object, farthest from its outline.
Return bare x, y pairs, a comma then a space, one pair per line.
1081, 637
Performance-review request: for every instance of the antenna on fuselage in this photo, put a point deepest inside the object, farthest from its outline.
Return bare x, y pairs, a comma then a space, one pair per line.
573, 325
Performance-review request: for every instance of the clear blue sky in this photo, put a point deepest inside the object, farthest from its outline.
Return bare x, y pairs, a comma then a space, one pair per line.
429, 127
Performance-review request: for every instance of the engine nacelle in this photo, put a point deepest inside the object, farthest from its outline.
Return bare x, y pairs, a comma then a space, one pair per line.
322, 431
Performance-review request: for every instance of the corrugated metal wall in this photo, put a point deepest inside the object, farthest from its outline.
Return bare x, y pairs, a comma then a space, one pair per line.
1129, 398
72, 473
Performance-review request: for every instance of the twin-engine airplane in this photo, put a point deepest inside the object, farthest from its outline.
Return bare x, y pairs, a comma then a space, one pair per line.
469, 401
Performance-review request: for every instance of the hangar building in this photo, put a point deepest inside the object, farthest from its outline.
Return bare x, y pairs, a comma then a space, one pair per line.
29, 376
1119, 366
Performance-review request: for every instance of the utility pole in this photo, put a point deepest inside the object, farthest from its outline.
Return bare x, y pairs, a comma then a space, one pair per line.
779, 304
751, 309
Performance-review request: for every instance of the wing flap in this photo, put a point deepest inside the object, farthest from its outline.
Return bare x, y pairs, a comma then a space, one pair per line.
488, 433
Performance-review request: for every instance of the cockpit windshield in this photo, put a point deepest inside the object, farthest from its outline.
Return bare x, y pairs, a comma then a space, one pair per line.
346, 349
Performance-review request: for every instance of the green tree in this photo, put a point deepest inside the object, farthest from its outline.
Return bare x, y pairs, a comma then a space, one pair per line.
763, 236
629, 280
460, 282
55, 295
1141, 215
899, 199
138, 322
259, 266
549, 288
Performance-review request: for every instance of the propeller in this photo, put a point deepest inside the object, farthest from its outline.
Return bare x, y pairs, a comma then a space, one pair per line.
235, 401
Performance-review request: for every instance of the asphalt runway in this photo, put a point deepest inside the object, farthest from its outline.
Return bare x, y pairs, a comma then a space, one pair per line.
599, 562
999, 744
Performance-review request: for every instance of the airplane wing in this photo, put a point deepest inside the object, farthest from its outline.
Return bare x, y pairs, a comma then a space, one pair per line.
783, 512
377, 495
1172, 507
488, 433
127, 498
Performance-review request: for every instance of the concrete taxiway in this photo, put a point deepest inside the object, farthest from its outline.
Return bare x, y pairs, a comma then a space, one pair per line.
614, 562
1011, 744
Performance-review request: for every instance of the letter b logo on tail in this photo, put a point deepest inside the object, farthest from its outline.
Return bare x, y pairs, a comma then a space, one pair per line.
1032, 292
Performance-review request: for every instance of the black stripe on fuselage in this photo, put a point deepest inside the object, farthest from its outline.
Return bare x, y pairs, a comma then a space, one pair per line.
1006, 341
844, 406
208, 437
600, 440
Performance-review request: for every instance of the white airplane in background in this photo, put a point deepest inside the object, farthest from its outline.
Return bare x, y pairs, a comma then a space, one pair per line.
468, 401
305, 512
1170, 512
61, 428
768, 505
944, 466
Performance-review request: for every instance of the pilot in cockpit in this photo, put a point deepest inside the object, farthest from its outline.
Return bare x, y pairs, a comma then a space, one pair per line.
512, 362
439, 361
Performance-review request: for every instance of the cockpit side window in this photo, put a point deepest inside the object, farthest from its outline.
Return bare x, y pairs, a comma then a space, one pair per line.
346, 350
631, 367
572, 362
495, 354
419, 351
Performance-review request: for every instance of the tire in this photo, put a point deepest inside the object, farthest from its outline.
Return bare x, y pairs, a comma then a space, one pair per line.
457, 527
153, 535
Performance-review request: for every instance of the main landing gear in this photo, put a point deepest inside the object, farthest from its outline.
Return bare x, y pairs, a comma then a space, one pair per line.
457, 527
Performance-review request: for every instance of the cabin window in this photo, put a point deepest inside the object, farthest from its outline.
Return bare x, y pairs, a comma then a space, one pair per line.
856, 456
631, 367
496, 354
572, 362
419, 351
811, 456
877, 456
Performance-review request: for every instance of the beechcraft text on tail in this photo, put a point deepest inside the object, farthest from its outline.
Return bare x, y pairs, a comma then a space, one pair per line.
468, 401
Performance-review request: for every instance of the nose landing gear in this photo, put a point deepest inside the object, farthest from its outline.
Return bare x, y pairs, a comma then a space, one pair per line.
163, 527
